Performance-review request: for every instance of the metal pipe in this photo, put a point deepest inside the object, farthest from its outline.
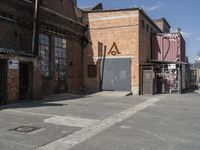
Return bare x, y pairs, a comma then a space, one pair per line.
35, 19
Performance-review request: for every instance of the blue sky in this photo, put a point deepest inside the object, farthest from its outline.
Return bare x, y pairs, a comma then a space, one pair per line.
179, 13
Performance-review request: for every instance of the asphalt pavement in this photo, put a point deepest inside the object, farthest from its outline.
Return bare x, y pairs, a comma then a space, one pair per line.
102, 122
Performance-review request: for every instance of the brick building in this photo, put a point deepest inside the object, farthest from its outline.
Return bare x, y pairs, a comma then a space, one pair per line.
55, 47
122, 50
52, 62
120, 42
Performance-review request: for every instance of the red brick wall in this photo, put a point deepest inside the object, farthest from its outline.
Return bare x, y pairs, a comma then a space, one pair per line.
37, 81
12, 85
65, 7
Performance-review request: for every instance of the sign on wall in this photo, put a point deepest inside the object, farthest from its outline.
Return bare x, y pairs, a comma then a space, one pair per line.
172, 66
114, 50
13, 64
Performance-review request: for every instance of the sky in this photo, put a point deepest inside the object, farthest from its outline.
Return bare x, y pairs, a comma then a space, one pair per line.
179, 13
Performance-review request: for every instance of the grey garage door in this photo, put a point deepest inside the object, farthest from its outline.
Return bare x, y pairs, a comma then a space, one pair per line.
116, 74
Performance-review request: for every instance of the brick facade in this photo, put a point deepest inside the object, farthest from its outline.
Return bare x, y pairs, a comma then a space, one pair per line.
12, 85
130, 29
57, 19
88, 35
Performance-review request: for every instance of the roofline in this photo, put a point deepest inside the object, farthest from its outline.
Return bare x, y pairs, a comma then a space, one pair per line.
92, 8
128, 9
111, 10
163, 19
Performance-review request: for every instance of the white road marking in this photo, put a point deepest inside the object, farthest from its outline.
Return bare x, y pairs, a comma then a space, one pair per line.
70, 121
86, 133
59, 120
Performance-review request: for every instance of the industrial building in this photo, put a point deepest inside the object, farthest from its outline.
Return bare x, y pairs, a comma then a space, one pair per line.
41, 49
131, 52
52, 46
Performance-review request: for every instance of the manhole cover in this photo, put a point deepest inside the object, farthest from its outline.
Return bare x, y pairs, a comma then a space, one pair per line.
25, 129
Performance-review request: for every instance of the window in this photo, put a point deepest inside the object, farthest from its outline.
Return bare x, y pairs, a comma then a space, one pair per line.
147, 26
143, 24
151, 30
60, 58
44, 48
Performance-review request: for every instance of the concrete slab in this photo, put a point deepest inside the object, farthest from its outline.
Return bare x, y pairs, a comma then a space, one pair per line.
70, 121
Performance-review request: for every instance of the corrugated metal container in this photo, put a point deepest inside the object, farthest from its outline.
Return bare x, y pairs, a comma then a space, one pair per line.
168, 47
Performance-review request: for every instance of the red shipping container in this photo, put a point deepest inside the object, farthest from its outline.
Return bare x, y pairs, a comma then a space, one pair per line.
168, 47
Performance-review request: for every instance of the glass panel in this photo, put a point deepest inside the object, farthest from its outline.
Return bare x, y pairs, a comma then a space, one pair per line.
44, 42
60, 58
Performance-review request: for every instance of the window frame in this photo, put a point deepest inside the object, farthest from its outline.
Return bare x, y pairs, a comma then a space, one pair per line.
59, 44
49, 52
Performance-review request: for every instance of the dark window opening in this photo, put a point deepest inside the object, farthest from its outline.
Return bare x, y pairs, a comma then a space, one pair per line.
151, 30
147, 26
143, 24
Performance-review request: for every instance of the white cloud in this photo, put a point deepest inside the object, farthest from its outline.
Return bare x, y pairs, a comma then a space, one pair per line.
152, 8
198, 39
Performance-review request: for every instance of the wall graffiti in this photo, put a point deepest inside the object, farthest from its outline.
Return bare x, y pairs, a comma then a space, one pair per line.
172, 79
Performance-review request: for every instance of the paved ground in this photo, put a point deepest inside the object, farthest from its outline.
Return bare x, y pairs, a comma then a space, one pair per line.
103, 122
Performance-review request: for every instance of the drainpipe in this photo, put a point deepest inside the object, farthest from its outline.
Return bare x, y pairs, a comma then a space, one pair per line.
35, 21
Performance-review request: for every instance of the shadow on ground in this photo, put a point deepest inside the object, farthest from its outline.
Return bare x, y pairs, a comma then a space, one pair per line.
46, 101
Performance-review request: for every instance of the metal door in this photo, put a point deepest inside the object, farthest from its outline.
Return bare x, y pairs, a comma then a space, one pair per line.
3, 70
116, 74
108, 75
147, 81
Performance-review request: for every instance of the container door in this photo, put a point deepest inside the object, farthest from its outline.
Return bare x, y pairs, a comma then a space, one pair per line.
3, 70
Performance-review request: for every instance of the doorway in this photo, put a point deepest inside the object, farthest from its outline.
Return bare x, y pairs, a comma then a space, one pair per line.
116, 74
25, 81
3, 74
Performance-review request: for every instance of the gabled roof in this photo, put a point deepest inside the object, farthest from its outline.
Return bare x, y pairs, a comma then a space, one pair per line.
98, 6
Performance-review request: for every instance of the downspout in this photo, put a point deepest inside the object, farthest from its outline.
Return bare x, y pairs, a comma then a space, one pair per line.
35, 21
